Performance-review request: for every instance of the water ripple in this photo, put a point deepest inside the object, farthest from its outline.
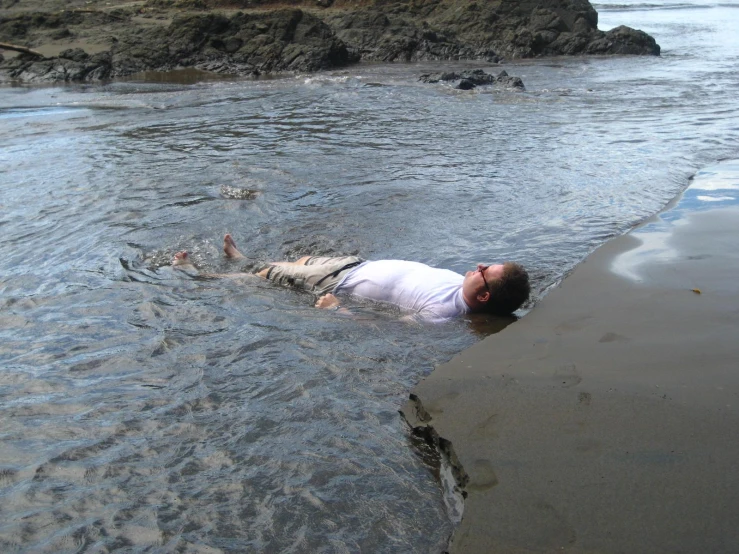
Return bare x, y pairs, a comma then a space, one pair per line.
145, 409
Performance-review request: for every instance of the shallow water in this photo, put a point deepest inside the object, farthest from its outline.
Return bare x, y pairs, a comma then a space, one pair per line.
143, 409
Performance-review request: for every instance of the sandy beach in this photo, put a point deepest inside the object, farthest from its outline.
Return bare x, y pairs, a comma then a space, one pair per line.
605, 420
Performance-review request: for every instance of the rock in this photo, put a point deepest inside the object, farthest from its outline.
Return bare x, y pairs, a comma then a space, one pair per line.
232, 44
75, 54
54, 70
397, 35
626, 40
478, 77
436, 77
178, 4
465, 84
470, 79
456, 30
282, 40
243, 44
277, 39
236, 193
510, 82
61, 33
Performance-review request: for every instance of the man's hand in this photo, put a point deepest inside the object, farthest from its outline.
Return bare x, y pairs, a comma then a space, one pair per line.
327, 301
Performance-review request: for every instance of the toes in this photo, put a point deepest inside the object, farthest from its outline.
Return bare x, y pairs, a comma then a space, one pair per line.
181, 258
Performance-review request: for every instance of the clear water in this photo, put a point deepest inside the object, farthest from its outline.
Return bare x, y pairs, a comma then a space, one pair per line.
145, 410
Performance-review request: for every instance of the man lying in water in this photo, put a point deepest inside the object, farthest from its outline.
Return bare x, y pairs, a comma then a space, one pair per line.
431, 293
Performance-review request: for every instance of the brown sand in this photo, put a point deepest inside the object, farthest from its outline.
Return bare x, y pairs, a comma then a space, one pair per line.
606, 420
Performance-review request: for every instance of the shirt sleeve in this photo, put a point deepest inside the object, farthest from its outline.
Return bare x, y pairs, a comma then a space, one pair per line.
429, 316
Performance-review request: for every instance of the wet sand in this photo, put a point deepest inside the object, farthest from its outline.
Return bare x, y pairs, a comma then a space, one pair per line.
606, 420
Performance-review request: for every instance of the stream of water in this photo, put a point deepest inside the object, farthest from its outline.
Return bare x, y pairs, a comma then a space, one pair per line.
142, 409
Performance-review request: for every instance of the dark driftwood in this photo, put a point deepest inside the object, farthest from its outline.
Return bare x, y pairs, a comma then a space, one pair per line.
23, 49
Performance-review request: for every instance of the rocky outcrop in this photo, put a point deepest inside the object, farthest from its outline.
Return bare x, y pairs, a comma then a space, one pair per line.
473, 78
282, 40
377, 34
443, 30
312, 37
71, 65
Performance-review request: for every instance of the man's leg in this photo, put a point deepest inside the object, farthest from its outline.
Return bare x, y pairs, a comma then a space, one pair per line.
265, 271
229, 247
231, 251
313, 271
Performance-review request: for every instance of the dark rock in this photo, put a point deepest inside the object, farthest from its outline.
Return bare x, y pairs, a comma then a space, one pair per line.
14, 29
546, 19
465, 84
55, 70
509, 82
232, 44
395, 35
478, 77
284, 40
278, 39
74, 54
61, 33
178, 4
570, 44
625, 40
436, 77
470, 79
527, 28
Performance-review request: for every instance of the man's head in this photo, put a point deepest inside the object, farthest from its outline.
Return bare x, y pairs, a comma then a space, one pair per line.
499, 289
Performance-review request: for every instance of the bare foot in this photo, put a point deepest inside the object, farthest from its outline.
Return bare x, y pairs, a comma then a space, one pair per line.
181, 258
229, 247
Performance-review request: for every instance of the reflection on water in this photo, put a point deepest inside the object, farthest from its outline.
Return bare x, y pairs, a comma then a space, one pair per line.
145, 409
712, 187
186, 76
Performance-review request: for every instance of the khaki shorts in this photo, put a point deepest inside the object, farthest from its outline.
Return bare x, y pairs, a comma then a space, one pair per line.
319, 275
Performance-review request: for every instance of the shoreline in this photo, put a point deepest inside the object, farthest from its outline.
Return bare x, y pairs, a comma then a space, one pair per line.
604, 419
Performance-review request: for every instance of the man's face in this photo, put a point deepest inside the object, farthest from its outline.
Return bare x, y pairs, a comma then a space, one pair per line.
476, 282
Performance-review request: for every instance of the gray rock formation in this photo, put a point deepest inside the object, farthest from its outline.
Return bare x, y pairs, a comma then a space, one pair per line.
473, 78
282, 40
278, 39
444, 30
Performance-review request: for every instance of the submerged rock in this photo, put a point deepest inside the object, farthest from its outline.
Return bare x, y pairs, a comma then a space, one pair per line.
236, 193
472, 78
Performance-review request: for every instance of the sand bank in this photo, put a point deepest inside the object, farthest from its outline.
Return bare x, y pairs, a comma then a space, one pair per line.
606, 420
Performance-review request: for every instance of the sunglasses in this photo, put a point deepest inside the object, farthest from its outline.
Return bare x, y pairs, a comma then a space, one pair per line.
482, 269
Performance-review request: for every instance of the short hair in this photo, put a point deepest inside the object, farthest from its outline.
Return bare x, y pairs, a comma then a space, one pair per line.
508, 293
